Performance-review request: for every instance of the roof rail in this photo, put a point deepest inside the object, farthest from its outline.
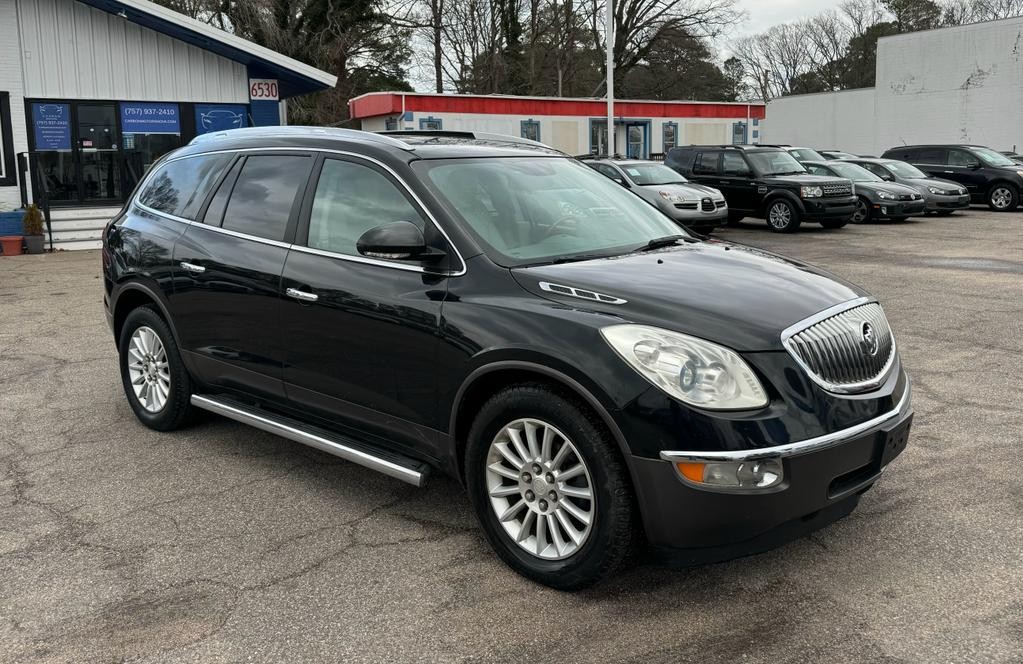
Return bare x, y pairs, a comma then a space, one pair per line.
470, 135
292, 131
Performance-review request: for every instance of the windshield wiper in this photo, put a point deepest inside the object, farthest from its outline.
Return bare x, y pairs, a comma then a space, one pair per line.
578, 257
659, 242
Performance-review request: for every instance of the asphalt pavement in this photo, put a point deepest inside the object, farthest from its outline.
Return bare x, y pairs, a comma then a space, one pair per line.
220, 543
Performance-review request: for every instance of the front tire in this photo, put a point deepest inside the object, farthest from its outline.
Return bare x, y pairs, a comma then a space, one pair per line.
154, 378
572, 523
1003, 197
863, 212
782, 216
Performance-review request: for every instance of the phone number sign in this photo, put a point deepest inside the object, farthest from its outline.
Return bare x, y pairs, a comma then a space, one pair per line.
263, 88
148, 118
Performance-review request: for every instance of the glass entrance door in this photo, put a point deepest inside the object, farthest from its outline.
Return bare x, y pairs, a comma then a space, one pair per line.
637, 141
97, 144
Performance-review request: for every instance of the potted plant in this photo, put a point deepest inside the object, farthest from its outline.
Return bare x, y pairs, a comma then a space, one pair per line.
33, 227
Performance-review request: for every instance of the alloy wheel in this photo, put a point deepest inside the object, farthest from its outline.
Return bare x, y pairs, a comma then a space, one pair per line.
1001, 198
860, 214
540, 489
148, 369
780, 215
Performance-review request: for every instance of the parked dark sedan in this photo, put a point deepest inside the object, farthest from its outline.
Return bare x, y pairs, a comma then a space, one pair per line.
942, 197
489, 308
875, 198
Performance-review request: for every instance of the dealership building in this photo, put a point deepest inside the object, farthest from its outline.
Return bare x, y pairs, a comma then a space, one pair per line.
93, 91
962, 84
573, 125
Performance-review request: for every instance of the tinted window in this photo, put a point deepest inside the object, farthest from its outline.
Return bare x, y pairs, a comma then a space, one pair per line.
733, 163
351, 199
961, 158
930, 156
876, 169
180, 187
604, 169
706, 163
264, 194
215, 210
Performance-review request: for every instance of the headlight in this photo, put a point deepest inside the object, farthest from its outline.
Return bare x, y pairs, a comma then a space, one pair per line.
935, 190
885, 196
811, 192
697, 372
1019, 173
672, 197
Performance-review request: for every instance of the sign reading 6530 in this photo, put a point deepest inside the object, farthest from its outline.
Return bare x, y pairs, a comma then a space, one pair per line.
263, 88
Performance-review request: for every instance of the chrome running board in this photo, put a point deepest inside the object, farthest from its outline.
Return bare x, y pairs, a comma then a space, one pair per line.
383, 461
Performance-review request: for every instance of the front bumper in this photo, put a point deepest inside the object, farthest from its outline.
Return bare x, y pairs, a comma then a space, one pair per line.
824, 476
815, 209
698, 218
886, 208
938, 202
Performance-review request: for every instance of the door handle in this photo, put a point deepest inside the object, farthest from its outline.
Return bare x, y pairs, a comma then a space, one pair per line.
948, 171
301, 295
192, 267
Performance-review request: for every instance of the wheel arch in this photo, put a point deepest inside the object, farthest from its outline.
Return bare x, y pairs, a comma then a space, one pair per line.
487, 380
771, 197
133, 295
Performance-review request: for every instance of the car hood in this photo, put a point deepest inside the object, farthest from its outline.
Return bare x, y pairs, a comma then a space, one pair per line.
688, 189
889, 187
731, 294
923, 183
803, 179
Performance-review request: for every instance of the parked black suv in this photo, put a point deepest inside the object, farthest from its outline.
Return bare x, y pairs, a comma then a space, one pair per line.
989, 176
766, 182
495, 310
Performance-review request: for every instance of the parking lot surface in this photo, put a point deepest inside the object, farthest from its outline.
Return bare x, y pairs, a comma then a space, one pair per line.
223, 543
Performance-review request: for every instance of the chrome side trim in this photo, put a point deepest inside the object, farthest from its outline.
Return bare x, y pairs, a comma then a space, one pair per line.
807, 446
355, 259
338, 449
572, 291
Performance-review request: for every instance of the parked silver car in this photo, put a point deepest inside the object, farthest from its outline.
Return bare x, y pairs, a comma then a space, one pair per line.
942, 197
693, 205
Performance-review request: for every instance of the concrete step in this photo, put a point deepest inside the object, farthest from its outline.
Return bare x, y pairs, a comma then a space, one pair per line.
83, 213
78, 224
76, 245
62, 235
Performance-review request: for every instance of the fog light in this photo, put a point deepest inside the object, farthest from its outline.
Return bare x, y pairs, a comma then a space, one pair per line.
734, 475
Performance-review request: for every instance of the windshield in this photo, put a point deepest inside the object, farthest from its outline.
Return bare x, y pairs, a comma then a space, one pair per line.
902, 169
992, 158
648, 174
835, 154
853, 172
774, 163
529, 210
806, 154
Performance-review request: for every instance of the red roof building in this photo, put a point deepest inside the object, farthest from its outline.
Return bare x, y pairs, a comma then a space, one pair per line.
573, 125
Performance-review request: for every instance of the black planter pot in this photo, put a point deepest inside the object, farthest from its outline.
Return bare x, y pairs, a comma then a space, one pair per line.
34, 244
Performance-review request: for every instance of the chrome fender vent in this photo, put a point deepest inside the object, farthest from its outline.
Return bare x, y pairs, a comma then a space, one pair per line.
581, 293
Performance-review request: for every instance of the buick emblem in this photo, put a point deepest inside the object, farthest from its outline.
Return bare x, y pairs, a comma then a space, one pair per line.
868, 339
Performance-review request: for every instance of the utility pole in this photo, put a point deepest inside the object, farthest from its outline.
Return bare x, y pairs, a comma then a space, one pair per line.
609, 40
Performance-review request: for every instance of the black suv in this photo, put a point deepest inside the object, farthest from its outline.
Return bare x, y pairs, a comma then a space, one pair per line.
494, 310
989, 176
766, 182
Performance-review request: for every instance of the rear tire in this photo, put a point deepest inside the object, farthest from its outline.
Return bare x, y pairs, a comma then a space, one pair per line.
154, 378
834, 223
565, 552
782, 216
1003, 197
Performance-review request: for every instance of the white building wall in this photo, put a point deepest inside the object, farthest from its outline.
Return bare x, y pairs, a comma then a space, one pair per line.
826, 121
954, 85
10, 80
571, 134
73, 51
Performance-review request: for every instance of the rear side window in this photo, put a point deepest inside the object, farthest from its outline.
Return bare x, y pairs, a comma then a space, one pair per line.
265, 193
706, 163
179, 187
350, 199
931, 156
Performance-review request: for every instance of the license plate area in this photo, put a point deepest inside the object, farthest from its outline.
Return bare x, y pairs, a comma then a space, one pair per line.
887, 446
893, 442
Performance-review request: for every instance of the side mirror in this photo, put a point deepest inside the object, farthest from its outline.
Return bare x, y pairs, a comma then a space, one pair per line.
974, 165
620, 181
398, 240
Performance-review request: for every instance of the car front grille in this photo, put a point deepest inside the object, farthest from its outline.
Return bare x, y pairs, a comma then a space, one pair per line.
686, 206
720, 204
848, 351
837, 189
707, 205
909, 197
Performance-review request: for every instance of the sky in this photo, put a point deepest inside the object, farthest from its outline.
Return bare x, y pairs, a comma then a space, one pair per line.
765, 13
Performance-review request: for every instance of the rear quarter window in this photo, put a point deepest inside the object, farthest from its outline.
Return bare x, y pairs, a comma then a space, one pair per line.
179, 187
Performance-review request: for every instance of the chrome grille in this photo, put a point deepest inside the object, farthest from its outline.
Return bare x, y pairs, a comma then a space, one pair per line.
707, 205
837, 348
837, 189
